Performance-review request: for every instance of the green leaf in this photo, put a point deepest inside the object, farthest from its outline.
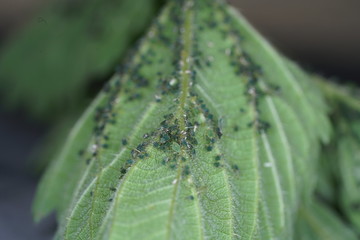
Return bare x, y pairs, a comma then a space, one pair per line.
339, 170
348, 165
317, 222
349, 173
48, 65
326, 186
207, 133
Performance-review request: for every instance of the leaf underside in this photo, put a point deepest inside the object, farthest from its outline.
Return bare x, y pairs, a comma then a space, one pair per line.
205, 133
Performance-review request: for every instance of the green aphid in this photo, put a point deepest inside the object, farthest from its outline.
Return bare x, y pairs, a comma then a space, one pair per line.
175, 147
130, 161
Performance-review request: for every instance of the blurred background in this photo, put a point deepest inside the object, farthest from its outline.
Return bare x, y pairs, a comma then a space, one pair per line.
322, 35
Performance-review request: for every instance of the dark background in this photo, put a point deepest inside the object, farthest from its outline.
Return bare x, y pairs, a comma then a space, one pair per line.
322, 35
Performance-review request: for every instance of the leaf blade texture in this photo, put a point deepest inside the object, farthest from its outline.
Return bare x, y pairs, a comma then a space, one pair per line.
207, 133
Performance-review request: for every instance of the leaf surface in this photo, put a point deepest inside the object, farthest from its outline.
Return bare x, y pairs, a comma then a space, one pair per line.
208, 133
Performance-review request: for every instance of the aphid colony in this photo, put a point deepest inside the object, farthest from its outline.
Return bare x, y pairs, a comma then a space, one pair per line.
132, 80
180, 145
242, 63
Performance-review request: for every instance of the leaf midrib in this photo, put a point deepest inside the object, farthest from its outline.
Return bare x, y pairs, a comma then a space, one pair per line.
185, 63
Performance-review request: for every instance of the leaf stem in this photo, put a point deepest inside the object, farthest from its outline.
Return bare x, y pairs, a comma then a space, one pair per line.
185, 71
185, 60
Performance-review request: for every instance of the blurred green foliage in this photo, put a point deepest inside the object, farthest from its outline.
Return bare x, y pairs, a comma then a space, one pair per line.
339, 169
55, 63
48, 65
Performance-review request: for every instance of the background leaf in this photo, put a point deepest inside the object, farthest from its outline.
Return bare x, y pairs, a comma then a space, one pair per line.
349, 170
340, 164
47, 67
317, 222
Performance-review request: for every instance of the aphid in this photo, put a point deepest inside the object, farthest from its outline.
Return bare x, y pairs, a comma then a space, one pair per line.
186, 170
113, 189
193, 140
164, 124
164, 138
134, 96
191, 197
277, 88
157, 98
81, 152
124, 142
169, 116
175, 147
218, 132
236, 128
209, 148
217, 158
135, 152
184, 143
130, 161
250, 124
165, 160
235, 167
